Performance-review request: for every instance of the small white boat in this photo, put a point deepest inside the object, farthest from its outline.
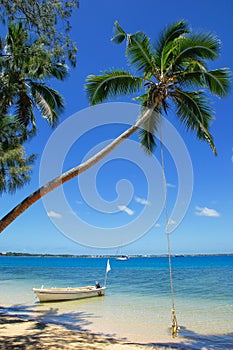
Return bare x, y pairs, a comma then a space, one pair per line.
60, 294
123, 257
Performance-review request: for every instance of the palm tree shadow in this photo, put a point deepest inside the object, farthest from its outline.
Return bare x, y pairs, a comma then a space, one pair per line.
51, 316
192, 340
49, 329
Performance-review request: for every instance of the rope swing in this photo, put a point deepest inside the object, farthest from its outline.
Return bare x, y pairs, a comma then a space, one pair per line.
175, 328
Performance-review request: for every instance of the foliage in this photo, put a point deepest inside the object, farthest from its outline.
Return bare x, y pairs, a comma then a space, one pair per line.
25, 65
49, 20
173, 71
15, 167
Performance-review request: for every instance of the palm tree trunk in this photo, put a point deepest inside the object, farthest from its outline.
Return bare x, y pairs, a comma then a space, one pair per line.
70, 174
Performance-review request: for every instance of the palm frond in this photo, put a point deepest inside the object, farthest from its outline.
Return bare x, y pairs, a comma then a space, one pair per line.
16, 38
110, 84
167, 42
193, 109
119, 35
39, 64
170, 34
146, 139
24, 108
146, 134
196, 46
49, 102
217, 81
45, 109
140, 53
138, 50
192, 68
58, 71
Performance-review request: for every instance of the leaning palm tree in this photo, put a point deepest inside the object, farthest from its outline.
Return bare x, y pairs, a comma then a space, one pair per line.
25, 65
174, 70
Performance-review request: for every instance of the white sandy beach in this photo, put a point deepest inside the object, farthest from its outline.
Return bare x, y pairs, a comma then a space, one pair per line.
18, 332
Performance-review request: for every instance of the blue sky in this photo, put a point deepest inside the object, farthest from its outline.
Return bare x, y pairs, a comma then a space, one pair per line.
207, 225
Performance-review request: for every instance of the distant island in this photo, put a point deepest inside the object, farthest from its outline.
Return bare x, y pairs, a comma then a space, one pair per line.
108, 256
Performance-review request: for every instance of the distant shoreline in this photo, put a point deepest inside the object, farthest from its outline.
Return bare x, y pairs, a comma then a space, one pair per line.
2, 254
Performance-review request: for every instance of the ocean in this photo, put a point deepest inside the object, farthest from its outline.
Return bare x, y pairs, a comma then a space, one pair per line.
137, 304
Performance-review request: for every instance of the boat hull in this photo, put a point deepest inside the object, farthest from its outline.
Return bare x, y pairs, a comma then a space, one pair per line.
61, 294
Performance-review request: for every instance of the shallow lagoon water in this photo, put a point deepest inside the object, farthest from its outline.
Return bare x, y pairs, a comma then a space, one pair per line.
137, 305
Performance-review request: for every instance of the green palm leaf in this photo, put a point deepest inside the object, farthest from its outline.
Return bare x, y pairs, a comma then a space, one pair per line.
58, 71
194, 111
119, 35
24, 69
218, 81
147, 132
17, 37
25, 66
41, 66
112, 83
49, 102
140, 53
197, 46
24, 108
167, 40
170, 34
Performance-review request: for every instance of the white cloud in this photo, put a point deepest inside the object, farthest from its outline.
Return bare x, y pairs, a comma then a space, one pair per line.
207, 212
157, 225
142, 201
53, 214
125, 209
172, 222
170, 185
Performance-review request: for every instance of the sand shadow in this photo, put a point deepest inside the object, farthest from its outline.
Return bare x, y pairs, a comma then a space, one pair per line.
196, 341
19, 313
53, 329
49, 329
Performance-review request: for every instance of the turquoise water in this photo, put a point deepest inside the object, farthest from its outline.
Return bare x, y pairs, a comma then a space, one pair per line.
137, 303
